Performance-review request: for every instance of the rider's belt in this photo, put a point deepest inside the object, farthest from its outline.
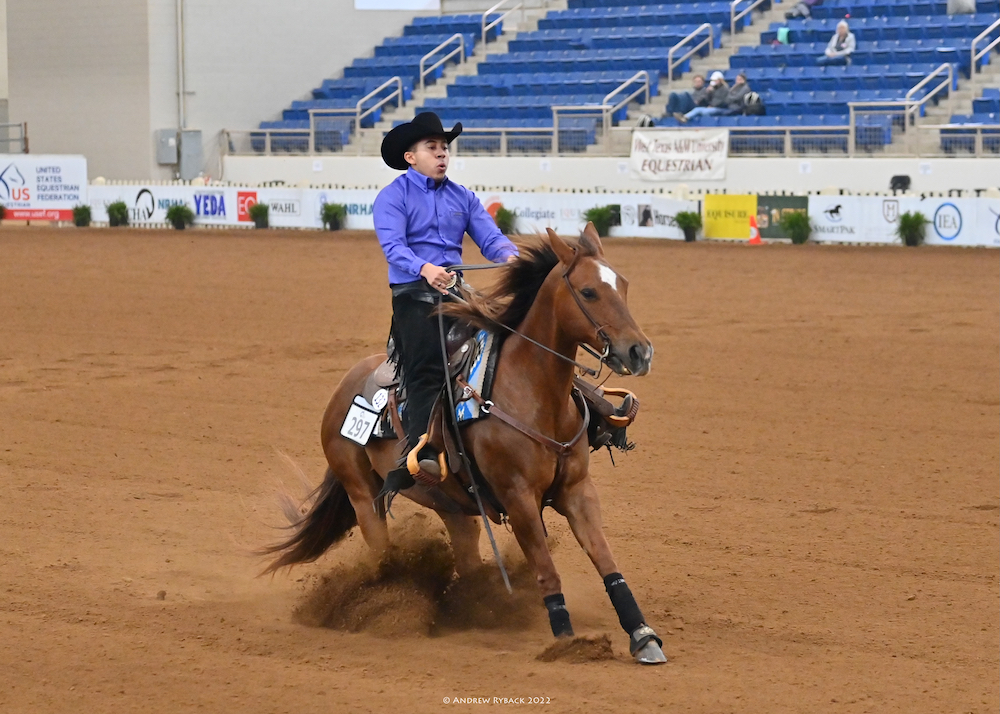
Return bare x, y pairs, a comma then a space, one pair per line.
421, 291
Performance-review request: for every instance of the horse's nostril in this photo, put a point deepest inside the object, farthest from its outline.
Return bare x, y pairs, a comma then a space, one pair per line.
637, 354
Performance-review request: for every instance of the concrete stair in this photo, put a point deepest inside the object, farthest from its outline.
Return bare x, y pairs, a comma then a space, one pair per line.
369, 141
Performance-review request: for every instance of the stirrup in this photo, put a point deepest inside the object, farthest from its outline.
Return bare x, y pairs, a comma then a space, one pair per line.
426, 471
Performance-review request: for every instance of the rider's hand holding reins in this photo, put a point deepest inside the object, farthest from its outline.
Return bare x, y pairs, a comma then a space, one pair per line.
437, 277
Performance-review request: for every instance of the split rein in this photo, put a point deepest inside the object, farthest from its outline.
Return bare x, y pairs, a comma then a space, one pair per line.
600, 357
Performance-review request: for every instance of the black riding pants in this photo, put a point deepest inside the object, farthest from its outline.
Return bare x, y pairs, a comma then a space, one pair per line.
415, 331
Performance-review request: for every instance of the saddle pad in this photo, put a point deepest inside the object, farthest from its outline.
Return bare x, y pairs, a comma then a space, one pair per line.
480, 376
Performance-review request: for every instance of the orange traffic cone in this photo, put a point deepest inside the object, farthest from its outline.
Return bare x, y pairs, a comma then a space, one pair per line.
754, 233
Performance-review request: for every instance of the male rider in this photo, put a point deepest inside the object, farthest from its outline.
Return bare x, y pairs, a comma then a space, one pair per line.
420, 219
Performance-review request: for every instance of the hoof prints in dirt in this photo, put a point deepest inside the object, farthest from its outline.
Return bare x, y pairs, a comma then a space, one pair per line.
412, 590
579, 650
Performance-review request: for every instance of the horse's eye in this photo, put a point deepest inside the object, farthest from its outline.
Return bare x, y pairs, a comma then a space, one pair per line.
589, 294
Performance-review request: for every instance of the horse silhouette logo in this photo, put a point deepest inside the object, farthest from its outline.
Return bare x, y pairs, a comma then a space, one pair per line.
833, 214
10, 181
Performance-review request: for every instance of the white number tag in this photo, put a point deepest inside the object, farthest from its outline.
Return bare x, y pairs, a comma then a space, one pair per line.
359, 424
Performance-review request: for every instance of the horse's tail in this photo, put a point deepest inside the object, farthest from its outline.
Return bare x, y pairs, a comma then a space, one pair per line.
327, 522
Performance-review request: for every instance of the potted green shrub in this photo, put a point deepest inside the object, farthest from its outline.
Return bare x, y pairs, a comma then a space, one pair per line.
911, 228
334, 215
180, 216
117, 214
81, 215
506, 220
603, 217
796, 226
689, 222
259, 214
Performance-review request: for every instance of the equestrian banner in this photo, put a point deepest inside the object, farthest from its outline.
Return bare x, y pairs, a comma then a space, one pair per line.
728, 217
42, 187
679, 155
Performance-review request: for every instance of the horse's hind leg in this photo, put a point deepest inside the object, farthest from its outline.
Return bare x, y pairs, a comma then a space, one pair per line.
353, 469
464, 534
582, 508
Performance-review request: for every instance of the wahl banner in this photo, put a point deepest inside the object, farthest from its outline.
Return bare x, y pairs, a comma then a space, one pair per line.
679, 155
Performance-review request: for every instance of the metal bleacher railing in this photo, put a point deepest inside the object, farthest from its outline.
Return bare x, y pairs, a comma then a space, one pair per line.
672, 63
976, 56
486, 24
14, 138
460, 51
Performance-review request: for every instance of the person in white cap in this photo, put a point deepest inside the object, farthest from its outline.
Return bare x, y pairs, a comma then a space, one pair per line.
718, 99
840, 47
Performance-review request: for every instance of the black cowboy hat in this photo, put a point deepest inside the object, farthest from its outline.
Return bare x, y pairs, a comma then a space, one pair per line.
398, 141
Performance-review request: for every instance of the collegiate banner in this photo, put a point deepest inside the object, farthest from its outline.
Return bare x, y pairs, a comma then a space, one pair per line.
727, 216
679, 155
42, 187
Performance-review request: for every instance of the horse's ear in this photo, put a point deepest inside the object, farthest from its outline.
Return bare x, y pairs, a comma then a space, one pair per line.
563, 250
591, 237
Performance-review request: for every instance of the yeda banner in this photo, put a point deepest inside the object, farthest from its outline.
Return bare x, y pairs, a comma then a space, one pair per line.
684, 155
42, 187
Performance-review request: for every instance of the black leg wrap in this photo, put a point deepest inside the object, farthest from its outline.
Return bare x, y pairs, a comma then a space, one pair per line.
629, 614
558, 615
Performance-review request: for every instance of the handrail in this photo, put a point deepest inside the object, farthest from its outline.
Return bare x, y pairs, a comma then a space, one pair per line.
733, 17
385, 100
641, 74
949, 83
21, 138
460, 48
486, 28
670, 55
982, 53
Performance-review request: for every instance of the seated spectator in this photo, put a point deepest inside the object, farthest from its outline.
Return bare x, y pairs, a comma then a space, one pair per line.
840, 47
718, 94
679, 103
803, 9
737, 94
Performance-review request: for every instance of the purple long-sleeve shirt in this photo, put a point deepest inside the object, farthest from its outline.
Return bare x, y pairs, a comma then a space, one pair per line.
418, 222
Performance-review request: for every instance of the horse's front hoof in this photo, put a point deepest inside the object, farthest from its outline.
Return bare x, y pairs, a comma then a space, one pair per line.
646, 646
650, 653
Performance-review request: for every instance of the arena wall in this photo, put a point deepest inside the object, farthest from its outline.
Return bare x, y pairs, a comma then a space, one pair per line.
744, 175
99, 77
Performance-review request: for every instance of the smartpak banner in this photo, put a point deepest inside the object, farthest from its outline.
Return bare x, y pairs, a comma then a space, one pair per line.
873, 219
42, 187
687, 155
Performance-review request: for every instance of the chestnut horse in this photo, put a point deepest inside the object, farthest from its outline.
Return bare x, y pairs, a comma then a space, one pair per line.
560, 295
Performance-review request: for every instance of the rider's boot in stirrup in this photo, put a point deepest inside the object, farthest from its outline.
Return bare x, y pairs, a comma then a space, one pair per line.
425, 464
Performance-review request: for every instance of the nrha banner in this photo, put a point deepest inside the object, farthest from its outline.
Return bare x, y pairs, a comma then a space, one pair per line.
680, 154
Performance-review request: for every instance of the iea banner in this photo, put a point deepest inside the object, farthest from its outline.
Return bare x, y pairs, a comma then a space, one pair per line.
42, 187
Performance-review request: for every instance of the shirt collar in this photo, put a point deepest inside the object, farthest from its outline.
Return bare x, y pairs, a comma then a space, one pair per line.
426, 183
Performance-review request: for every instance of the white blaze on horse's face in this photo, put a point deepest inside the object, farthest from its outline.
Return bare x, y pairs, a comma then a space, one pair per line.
608, 275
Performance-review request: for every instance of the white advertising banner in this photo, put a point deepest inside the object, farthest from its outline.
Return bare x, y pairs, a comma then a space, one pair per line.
639, 215
960, 221
836, 219
42, 187
873, 219
686, 155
